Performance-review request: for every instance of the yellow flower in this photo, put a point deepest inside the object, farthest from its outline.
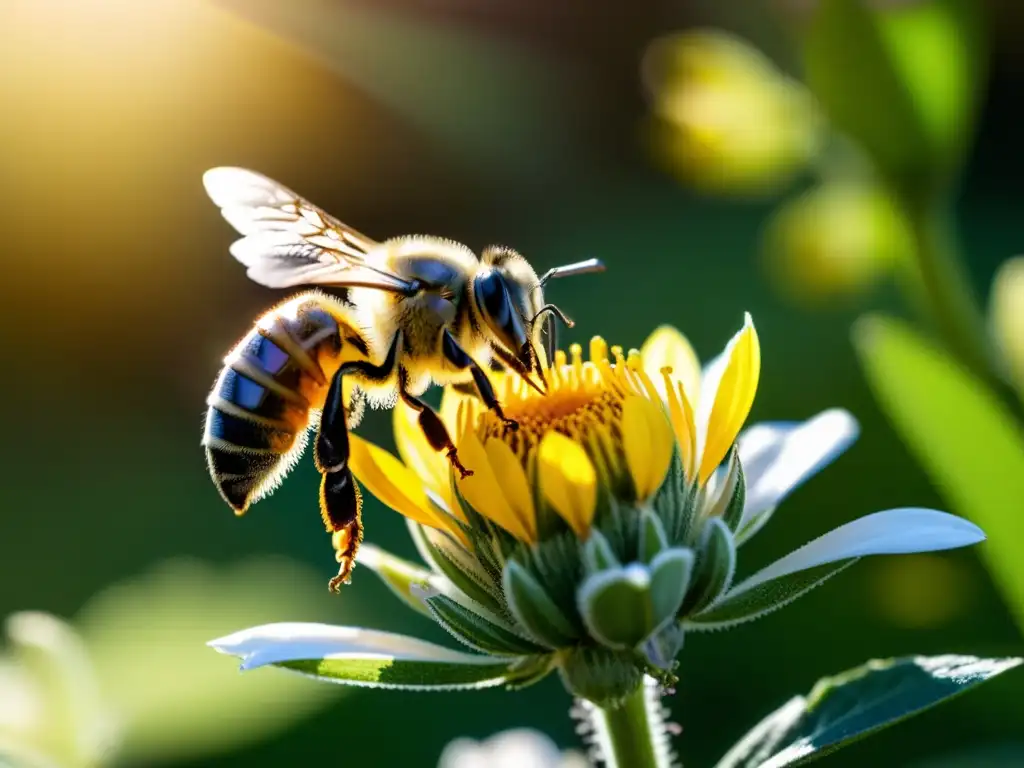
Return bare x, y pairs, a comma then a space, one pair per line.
597, 535
605, 428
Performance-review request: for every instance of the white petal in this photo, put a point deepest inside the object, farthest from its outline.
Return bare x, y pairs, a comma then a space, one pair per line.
273, 643
893, 532
778, 457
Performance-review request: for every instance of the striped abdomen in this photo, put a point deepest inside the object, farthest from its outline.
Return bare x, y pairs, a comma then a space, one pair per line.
260, 406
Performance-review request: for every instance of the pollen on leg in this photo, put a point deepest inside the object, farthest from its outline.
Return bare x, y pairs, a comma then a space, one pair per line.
345, 543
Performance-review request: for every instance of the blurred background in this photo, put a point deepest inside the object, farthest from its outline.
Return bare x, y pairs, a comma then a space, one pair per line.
517, 121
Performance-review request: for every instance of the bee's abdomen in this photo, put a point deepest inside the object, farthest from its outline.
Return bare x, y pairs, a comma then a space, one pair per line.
259, 407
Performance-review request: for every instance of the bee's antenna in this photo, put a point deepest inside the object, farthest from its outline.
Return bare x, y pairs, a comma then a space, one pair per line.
552, 309
567, 270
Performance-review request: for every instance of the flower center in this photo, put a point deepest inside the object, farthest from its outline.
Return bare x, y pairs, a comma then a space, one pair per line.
583, 399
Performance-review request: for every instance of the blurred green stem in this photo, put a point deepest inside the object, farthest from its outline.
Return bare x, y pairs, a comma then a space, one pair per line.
944, 288
633, 736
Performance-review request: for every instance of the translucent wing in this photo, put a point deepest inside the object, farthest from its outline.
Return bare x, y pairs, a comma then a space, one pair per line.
288, 241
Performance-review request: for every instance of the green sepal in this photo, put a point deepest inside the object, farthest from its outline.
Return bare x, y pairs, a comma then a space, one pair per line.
479, 632
622, 607
618, 525
740, 604
556, 564
714, 567
652, 536
662, 648
602, 676
461, 569
528, 670
598, 555
534, 610
673, 502
732, 495
671, 572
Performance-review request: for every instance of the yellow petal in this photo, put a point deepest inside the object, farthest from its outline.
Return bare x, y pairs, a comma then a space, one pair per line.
734, 397
681, 415
451, 401
667, 347
483, 490
416, 453
648, 441
512, 480
394, 484
568, 480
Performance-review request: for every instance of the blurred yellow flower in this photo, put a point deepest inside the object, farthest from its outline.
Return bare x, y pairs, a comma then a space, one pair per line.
837, 240
51, 710
727, 119
130, 682
1007, 315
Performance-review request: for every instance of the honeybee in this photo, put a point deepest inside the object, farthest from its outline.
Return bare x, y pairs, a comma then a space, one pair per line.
413, 310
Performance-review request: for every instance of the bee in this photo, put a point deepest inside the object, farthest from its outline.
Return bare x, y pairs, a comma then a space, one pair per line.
411, 311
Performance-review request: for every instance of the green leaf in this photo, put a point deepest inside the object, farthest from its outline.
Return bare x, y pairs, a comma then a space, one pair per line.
740, 605
902, 81
373, 671
853, 704
968, 443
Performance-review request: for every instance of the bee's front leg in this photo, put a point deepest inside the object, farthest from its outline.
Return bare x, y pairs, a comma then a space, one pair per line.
433, 428
458, 357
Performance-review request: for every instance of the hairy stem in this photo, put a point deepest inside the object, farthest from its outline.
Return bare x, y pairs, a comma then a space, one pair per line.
632, 734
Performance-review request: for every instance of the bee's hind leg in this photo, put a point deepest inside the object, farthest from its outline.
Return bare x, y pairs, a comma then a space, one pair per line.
340, 500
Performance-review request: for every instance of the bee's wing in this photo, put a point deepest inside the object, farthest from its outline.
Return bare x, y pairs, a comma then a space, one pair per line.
288, 241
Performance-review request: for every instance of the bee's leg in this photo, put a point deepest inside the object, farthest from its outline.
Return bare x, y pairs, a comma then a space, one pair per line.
433, 428
469, 387
340, 501
458, 357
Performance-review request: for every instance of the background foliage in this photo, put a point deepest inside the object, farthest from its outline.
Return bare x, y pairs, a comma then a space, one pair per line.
515, 122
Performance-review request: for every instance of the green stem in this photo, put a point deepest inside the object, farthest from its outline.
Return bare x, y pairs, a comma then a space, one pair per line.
944, 289
632, 734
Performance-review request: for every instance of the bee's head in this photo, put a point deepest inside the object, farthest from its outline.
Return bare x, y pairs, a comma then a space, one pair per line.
509, 298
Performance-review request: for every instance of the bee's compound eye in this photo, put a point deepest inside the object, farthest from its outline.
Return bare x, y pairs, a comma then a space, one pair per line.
492, 297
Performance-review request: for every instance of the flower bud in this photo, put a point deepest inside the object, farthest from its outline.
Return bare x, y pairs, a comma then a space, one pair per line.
727, 119
837, 240
1007, 313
